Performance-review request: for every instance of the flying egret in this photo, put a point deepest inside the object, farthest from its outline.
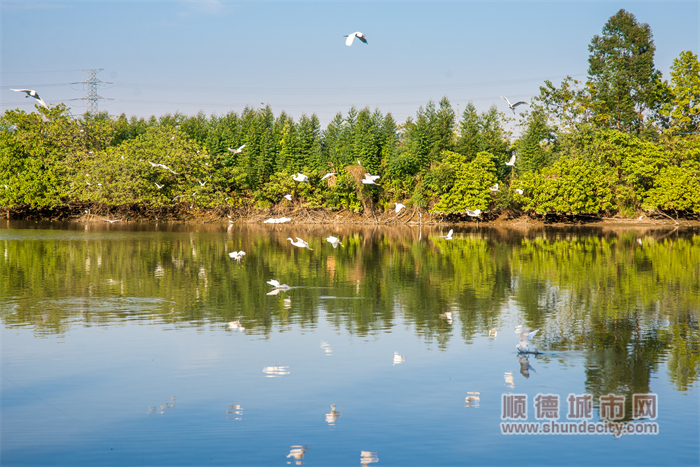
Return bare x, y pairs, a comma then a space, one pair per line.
111, 221
288, 197
494, 188
300, 243
237, 255
448, 236
159, 186
370, 179
202, 183
513, 106
236, 151
519, 191
328, 175
300, 177
32, 93
399, 207
474, 213
277, 285
351, 37
525, 337
511, 162
163, 166
334, 241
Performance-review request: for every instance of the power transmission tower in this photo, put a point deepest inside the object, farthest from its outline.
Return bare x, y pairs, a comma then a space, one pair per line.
92, 82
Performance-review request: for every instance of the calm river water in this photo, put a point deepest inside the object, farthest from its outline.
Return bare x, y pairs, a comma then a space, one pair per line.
147, 344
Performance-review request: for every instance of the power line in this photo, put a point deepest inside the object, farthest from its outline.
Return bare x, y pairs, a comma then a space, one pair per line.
92, 82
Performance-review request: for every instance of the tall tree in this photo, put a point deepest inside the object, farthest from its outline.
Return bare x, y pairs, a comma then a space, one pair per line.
682, 109
622, 80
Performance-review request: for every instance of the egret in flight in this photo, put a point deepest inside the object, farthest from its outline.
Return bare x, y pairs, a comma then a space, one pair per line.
513, 106
111, 221
300, 243
236, 151
288, 197
277, 285
399, 207
237, 255
511, 162
300, 177
32, 93
525, 338
351, 37
370, 179
448, 236
328, 175
163, 166
335, 241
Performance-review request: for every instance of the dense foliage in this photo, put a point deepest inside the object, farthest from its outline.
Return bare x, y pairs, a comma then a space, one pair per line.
623, 142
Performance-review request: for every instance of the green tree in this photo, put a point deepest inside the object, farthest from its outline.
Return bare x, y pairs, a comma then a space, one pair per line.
682, 110
623, 82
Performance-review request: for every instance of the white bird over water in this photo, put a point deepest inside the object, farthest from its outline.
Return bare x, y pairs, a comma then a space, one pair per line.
399, 207
513, 106
300, 177
277, 285
328, 175
237, 255
511, 162
112, 221
236, 151
300, 243
351, 38
448, 236
474, 213
335, 241
525, 337
370, 179
32, 93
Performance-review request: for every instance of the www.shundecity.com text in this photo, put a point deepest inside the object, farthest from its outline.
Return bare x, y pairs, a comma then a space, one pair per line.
585, 427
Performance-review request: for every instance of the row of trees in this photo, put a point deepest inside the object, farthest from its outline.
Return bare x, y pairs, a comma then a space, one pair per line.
626, 140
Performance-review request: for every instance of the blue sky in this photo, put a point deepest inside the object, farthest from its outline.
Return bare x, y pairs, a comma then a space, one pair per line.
219, 56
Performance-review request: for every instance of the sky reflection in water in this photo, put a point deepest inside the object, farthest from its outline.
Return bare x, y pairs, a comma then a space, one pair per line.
142, 345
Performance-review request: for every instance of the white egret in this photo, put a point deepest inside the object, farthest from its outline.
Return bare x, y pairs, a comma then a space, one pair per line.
300, 177
351, 38
236, 151
472, 400
519, 191
162, 166
111, 221
494, 188
513, 106
328, 175
474, 213
300, 243
159, 186
398, 358
370, 179
493, 332
448, 236
202, 183
288, 197
334, 241
399, 207
32, 93
525, 337
511, 162
446, 316
237, 255
277, 220
276, 284
359, 163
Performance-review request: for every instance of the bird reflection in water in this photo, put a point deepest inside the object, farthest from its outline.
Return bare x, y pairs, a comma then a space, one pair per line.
525, 366
508, 377
274, 371
327, 348
398, 358
297, 452
367, 457
287, 303
169, 404
235, 412
493, 332
333, 416
472, 400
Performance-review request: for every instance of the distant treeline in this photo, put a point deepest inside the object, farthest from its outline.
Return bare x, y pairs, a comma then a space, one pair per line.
623, 142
